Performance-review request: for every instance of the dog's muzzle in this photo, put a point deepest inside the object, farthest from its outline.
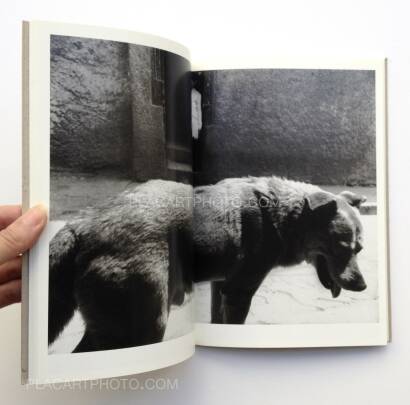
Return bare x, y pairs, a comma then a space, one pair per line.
334, 279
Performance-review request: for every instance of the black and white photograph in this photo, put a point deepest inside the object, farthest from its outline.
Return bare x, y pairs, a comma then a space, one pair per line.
120, 154
285, 223
205, 202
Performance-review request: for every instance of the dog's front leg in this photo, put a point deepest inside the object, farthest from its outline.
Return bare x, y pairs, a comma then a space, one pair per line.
236, 296
216, 301
235, 307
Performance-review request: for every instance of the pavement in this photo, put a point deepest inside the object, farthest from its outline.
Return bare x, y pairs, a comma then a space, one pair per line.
73, 193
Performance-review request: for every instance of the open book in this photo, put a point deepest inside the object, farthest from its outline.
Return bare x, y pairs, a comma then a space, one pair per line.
234, 202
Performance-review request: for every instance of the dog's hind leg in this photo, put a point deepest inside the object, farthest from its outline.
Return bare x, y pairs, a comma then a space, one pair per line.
123, 303
85, 344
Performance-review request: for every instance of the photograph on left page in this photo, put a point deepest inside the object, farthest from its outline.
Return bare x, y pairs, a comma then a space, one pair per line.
120, 196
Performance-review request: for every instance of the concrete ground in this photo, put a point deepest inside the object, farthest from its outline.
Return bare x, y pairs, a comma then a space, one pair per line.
368, 192
72, 193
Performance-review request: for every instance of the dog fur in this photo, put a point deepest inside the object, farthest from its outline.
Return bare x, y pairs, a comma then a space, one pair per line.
123, 266
130, 259
244, 227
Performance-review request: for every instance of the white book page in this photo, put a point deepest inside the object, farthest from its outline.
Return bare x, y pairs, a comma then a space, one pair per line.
43, 364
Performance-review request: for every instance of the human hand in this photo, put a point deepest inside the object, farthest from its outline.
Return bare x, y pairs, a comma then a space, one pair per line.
18, 233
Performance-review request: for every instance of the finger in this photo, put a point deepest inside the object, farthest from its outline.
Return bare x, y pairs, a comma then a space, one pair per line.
10, 270
10, 293
22, 233
8, 214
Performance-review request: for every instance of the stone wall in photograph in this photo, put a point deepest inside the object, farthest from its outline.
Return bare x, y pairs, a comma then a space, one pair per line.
148, 113
91, 122
311, 125
105, 114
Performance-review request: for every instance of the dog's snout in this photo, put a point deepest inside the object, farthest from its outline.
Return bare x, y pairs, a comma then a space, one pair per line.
351, 278
355, 283
359, 285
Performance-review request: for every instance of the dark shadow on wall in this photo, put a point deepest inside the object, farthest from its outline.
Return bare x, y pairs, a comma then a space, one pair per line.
311, 125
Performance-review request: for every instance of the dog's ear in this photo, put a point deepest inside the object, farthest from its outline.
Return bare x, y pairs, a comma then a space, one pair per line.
321, 203
265, 198
355, 200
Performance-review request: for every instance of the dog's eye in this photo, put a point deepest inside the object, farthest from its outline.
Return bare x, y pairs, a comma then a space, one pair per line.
343, 248
345, 245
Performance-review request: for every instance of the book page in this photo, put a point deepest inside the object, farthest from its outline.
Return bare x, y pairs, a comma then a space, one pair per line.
290, 216
108, 288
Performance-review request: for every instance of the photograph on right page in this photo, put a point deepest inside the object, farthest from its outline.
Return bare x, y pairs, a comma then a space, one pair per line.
285, 223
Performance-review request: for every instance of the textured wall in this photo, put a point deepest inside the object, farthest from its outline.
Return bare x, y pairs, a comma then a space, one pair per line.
91, 123
312, 125
108, 102
149, 152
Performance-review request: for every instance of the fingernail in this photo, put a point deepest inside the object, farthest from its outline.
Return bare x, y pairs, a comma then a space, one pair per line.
35, 216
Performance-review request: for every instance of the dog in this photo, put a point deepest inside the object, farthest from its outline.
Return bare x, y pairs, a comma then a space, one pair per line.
123, 266
245, 227
127, 262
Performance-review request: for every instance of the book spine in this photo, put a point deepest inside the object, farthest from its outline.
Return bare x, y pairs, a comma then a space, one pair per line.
25, 195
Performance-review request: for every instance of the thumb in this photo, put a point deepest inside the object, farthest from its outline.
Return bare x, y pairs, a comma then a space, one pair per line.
22, 233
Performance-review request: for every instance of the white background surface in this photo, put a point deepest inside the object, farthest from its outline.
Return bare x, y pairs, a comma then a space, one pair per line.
220, 376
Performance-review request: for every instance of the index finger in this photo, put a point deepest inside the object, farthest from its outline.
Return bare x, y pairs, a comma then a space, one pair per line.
8, 214
21, 234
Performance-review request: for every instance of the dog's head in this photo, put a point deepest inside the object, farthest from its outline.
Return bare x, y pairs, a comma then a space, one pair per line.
334, 239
